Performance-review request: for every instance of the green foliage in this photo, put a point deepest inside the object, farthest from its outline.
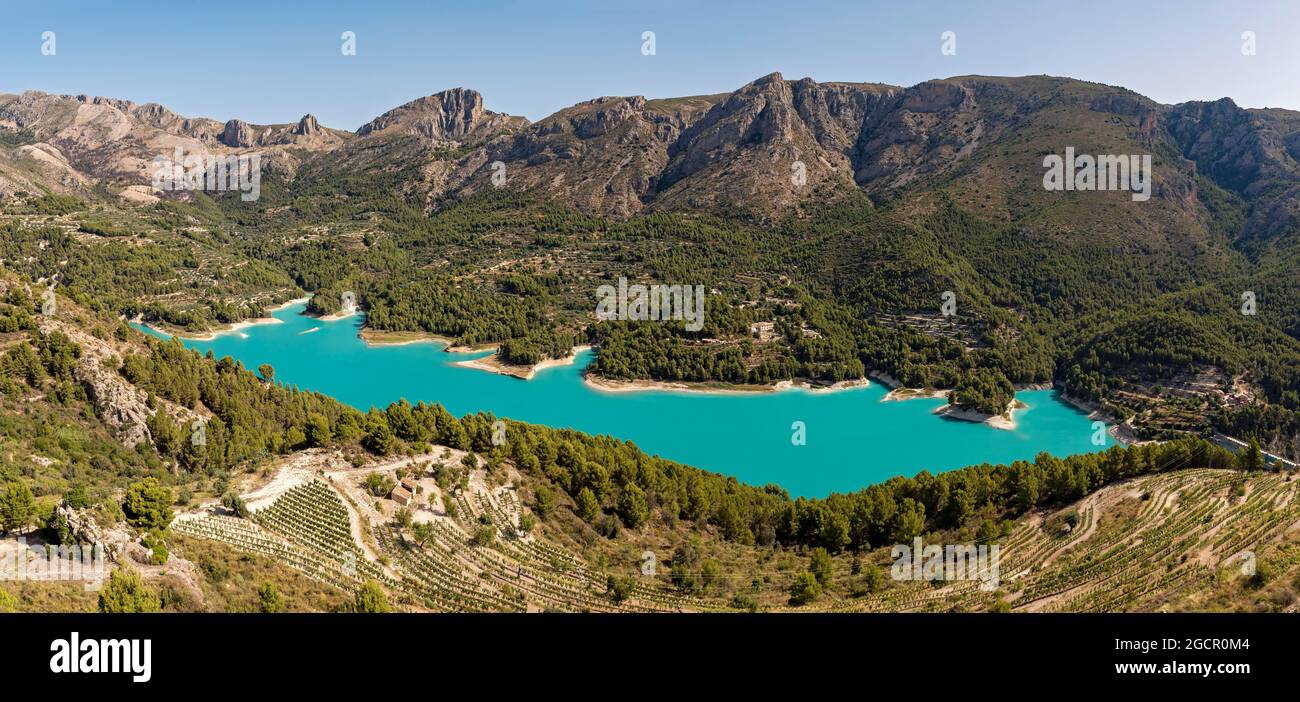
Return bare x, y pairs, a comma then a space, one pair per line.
371, 599
484, 535
587, 506
233, 502
632, 506
983, 390
126, 592
544, 501
821, 566
380, 484
619, 589
17, 508
270, 601
805, 589
147, 505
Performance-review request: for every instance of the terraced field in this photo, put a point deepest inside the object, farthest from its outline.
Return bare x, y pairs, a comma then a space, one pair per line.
308, 528
1136, 546
1139, 545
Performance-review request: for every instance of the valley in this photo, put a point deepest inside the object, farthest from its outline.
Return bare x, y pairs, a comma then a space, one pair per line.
916, 256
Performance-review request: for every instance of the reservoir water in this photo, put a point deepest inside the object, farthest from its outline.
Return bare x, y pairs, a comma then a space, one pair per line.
853, 439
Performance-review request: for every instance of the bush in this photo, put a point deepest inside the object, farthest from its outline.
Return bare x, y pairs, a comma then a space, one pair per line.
126, 592
804, 590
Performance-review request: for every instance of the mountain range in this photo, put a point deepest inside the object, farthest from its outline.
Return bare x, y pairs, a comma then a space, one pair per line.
982, 136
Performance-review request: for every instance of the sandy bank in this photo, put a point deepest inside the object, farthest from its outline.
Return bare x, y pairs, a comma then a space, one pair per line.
715, 388
235, 328
333, 316
374, 337
493, 364
291, 303
900, 393
1006, 420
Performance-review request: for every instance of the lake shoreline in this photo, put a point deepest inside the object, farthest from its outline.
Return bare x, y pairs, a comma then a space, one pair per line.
232, 328
493, 364
1005, 421
1120, 431
379, 338
624, 386
711, 426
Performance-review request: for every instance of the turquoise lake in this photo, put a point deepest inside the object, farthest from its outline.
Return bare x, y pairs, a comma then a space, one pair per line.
853, 439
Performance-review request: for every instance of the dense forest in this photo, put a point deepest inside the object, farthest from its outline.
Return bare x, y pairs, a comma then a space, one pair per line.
846, 288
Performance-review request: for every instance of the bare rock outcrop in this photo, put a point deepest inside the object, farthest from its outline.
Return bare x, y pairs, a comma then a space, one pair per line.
237, 134
455, 115
118, 403
307, 126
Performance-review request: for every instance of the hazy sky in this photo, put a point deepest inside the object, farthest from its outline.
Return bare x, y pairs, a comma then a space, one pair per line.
273, 61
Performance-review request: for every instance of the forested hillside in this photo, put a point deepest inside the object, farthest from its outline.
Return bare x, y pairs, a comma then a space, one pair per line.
919, 242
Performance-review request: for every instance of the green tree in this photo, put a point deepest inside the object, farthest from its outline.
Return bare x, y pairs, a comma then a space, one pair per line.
873, 578
404, 518
318, 430
76, 497
821, 566
910, 520
379, 484
685, 571
710, 575
126, 592
588, 507
148, 505
484, 535
423, 533
235, 504
544, 502
16, 507
988, 532
526, 523
1251, 458
379, 438
267, 372
632, 506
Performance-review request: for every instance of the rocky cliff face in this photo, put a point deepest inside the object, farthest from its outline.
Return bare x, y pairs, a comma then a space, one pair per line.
455, 115
604, 155
769, 146
237, 134
118, 403
79, 141
1242, 151
1245, 151
773, 141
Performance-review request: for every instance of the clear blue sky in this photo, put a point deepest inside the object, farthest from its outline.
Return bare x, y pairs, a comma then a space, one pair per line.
273, 61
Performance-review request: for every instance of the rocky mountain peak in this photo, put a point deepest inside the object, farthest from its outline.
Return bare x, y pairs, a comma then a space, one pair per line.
237, 134
452, 115
307, 126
